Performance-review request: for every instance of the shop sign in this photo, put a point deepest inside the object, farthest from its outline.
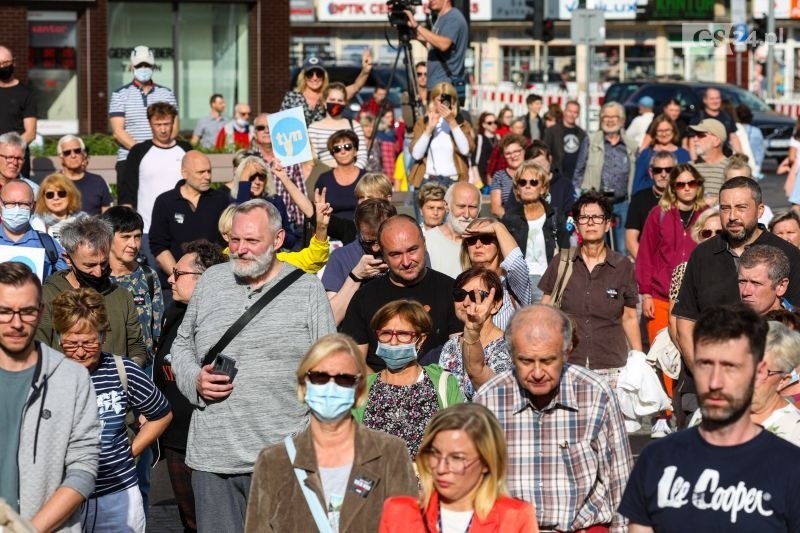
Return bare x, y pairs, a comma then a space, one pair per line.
378, 11
613, 9
301, 11
678, 10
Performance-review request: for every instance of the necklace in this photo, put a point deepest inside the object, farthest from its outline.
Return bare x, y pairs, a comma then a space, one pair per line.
686, 218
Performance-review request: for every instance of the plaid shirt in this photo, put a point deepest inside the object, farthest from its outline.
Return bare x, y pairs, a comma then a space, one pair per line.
295, 173
571, 459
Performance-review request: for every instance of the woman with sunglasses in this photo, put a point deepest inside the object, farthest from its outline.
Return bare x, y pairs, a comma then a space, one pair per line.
488, 244
485, 142
666, 241
57, 203
480, 351
539, 230
403, 398
662, 136
81, 320
334, 475
462, 470
312, 81
340, 183
319, 132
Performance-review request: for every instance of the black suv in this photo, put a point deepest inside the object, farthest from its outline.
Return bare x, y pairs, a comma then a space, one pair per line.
777, 128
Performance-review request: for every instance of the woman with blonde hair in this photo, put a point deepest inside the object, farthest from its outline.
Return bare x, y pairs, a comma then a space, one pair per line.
335, 474
58, 202
462, 470
441, 141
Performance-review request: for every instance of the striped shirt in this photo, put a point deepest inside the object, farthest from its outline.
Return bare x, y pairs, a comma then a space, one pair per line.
517, 280
116, 469
130, 102
319, 143
572, 458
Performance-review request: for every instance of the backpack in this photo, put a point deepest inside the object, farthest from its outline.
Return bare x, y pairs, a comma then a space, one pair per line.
50, 249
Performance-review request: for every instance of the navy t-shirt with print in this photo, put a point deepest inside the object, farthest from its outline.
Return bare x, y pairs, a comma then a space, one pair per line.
683, 483
116, 470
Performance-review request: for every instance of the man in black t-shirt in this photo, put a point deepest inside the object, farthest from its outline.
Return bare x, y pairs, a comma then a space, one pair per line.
17, 106
661, 164
95, 194
729, 474
712, 108
564, 140
403, 249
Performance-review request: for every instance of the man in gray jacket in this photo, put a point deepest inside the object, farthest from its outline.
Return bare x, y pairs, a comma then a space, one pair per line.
235, 419
48, 467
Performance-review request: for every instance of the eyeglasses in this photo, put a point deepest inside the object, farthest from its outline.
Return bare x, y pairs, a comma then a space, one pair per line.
178, 273
489, 123
258, 176
143, 65
771, 373
533, 182
17, 204
513, 153
662, 170
315, 74
693, 184
87, 346
403, 337
459, 295
18, 159
52, 194
708, 233
421, 74
594, 219
339, 147
485, 240
76, 151
454, 463
260, 127
26, 314
322, 378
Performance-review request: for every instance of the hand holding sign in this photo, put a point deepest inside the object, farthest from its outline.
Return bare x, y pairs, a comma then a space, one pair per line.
290, 136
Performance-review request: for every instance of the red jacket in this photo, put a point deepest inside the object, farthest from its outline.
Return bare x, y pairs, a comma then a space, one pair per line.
663, 245
401, 514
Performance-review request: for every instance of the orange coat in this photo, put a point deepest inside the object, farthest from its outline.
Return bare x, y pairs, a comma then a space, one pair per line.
401, 514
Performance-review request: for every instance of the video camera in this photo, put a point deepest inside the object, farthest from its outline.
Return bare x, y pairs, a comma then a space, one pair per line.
397, 15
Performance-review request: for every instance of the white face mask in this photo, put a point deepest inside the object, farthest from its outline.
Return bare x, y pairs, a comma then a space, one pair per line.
143, 74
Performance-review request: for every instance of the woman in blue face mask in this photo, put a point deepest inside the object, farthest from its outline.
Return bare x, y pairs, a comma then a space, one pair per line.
335, 475
403, 398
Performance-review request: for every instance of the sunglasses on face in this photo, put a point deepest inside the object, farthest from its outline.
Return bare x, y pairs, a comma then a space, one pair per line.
701, 134
258, 176
686, 184
489, 123
708, 233
76, 151
323, 378
421, 74
52, 194
260, 127
662, 170
533, 182
339, 147
315, 74
485, 240
459, 295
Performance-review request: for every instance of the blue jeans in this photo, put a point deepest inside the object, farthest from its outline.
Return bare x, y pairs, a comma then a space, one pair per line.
119, 511
618, 231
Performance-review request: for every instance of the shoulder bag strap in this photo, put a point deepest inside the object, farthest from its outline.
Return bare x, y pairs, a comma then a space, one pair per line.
248, 315
319, 514
564, 273
123, 376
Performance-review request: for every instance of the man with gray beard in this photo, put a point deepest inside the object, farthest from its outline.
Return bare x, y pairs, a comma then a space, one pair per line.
463, 201
233, 421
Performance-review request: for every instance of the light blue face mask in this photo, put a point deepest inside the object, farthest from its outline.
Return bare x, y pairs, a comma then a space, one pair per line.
15, 218
396, 357
143, 74
330, 402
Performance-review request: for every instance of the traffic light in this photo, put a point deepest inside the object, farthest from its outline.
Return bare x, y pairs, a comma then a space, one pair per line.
548, 30
536, 16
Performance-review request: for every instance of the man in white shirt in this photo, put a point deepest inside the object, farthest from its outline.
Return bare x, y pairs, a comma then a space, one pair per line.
639, 125
444, 242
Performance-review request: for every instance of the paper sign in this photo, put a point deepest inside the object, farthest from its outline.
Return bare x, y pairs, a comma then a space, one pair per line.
33, 257
289, 136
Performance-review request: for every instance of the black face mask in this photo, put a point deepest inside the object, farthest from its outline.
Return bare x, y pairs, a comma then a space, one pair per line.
6, 73
99, 283
334, 110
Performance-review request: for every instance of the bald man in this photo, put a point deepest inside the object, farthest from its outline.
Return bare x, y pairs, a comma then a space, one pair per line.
17, 105
463, 204
188, 212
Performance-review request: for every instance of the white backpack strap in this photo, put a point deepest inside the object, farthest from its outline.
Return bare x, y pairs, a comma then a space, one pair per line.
319, 514
443, 387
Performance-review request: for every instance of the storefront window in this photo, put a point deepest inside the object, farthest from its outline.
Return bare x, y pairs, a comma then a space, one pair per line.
52, 70
200, 49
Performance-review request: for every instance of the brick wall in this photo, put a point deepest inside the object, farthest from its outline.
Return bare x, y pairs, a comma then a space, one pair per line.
15, 37
269, 54
93, 68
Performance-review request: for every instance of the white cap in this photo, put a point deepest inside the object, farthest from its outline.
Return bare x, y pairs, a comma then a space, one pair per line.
142, 54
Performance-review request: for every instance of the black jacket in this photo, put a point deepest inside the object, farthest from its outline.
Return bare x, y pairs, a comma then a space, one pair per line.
555, 231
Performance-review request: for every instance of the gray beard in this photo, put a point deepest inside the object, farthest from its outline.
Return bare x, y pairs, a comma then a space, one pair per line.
258, 265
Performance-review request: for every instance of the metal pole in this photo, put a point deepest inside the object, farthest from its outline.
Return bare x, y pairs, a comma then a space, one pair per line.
739, 69
769, 38
589, 61
544, 60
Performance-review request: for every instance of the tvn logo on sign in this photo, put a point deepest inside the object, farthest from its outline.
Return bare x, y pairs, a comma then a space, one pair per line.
731, 37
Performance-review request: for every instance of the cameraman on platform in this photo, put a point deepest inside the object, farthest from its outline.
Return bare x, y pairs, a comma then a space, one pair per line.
447, 45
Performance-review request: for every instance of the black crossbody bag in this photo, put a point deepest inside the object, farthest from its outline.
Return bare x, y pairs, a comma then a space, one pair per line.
250, 314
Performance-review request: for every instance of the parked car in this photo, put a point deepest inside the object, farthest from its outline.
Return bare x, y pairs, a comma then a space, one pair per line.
777, 128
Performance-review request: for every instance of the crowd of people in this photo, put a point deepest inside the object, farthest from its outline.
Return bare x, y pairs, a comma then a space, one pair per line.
303, 356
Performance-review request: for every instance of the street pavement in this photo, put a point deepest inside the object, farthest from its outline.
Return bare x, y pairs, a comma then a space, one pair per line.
163, 516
